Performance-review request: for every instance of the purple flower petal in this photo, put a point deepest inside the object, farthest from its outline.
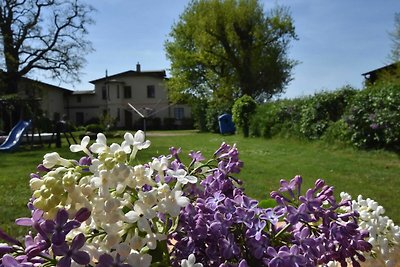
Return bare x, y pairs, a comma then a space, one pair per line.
10, 261
70, 225
78, 242
105, 260
48, 226
8, 238
61, 217
61, 249
58, 238
24, 221
5, 249
82, 215
81, 257
64, 262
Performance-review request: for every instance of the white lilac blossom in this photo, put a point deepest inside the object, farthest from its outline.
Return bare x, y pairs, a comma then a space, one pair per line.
384, 235
102, 210
190, 262
82, 147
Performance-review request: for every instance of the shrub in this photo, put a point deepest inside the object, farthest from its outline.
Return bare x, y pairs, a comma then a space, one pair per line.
280, 117
337, 132
374, 117
215, 109
321, 110
242, 111
95, 128
187, 124
93, 120
169, 123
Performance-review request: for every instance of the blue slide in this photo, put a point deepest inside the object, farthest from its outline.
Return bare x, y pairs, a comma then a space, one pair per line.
15, 136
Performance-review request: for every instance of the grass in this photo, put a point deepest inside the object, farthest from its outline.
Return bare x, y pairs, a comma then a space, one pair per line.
373, 174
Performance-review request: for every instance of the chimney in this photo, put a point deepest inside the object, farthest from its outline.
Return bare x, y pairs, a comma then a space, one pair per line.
138, 67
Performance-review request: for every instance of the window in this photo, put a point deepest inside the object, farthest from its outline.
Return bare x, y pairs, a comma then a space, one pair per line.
127, 92
151, 91
117, 90
179, 113
78, 99
104, 93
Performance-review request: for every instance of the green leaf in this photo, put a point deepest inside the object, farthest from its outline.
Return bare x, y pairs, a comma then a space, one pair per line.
267, 203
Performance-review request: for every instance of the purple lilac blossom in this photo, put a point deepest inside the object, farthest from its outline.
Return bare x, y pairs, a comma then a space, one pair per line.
106, 260
196, 156
72, 252
222, 227
60, 227
321, 233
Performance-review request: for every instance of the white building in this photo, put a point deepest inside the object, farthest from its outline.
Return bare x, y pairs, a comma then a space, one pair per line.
115, 97
125, 97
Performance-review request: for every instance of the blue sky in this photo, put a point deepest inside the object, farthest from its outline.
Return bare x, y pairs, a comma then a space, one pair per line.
338, 40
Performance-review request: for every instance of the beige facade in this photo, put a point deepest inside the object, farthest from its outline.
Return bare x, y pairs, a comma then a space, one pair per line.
123, 98
52, 98
119, 100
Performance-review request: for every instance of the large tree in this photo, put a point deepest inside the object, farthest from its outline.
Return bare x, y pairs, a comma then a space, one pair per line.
229, 48
43, 35
395, 37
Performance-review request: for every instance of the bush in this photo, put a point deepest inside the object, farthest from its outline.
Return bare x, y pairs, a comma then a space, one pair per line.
187, 124
95, 128
214, 110
93, 120
169, 123
337, 132
323, 109
374, 117
242, 111
280, 117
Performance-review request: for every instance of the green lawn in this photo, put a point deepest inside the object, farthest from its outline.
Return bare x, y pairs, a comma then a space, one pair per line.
373, 174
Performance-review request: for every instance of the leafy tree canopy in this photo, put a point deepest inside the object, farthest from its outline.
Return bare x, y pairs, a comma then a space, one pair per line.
228, 48
44, 35
395, 37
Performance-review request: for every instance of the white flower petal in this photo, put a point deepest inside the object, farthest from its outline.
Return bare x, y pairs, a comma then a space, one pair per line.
128, 138
191, 179
97, 148
132, 216
143, 145
101, 139
75, 148
139, 137
85, 141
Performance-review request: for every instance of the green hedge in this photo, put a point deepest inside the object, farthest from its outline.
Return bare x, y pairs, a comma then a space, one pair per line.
368, 118
374, 117
323, 109
280, 117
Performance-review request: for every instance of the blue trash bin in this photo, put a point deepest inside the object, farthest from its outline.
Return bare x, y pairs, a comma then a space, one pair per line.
226, 125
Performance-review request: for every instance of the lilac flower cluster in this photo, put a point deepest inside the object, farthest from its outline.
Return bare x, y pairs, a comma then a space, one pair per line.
322, 229
224, 227
51, 236
103, 211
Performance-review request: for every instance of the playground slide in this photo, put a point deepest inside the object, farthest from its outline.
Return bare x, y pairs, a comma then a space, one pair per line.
15, 136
